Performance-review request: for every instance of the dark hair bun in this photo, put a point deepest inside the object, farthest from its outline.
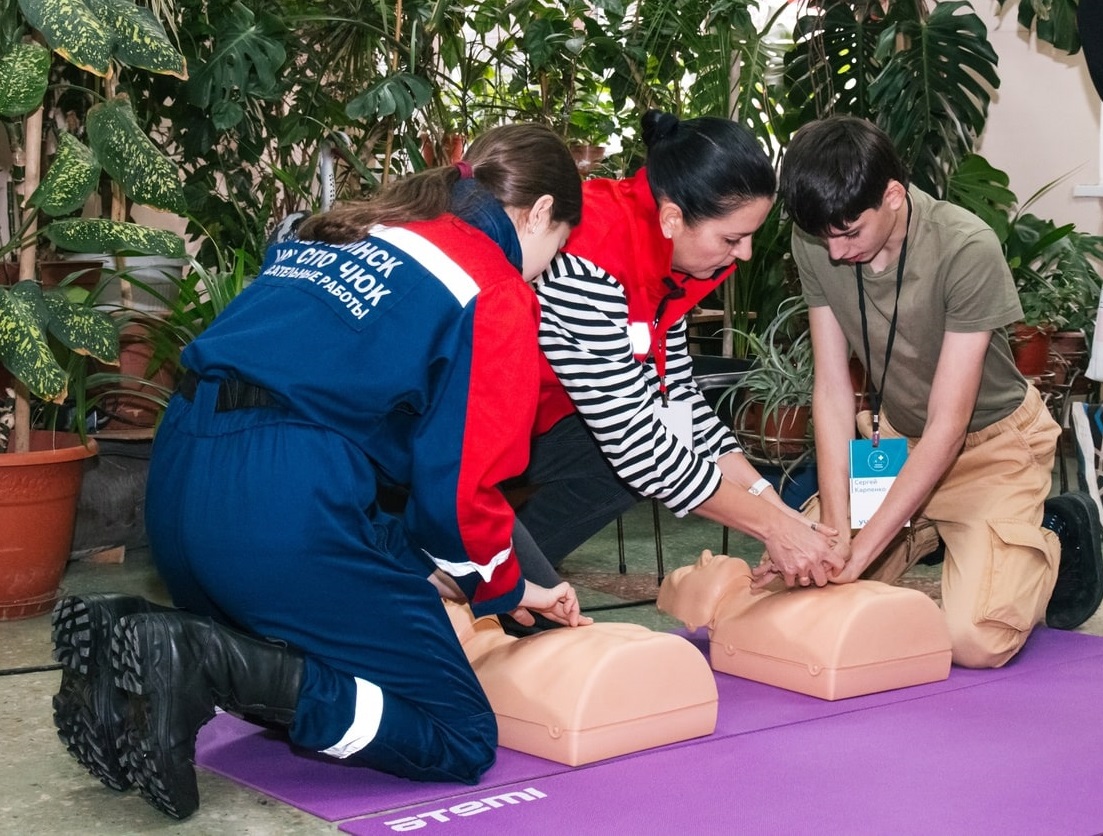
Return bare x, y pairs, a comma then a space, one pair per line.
658, 126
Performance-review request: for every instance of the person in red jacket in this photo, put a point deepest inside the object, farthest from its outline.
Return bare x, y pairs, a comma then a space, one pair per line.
620, 415
393, 345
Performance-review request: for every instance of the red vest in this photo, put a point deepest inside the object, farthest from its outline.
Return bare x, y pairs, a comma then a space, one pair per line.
620, 233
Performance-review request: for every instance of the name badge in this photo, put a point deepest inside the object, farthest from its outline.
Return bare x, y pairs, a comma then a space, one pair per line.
872, 472
677, 417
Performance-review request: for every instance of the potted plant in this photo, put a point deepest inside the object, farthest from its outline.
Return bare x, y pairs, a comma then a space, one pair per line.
1031, 336
1070, 260
41, 470
773, 399
1058, 286
40, 326
590, 126
85, 51
117, 145
138, 391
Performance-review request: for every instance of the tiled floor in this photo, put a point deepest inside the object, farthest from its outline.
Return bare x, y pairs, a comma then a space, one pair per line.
44, 791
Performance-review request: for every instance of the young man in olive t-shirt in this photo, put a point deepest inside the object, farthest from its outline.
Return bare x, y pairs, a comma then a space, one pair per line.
921, 290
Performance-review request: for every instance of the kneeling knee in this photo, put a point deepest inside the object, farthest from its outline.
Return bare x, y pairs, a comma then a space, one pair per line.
985, 645
475, 750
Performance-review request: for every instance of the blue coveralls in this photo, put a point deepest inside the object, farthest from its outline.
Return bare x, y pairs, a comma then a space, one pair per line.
406, 359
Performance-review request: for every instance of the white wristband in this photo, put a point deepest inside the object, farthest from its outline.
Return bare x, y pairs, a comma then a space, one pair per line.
759, 486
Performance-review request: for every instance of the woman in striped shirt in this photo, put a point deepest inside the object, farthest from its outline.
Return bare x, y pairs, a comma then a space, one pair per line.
621, 416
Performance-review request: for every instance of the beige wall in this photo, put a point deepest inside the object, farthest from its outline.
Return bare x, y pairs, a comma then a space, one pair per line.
1044, 123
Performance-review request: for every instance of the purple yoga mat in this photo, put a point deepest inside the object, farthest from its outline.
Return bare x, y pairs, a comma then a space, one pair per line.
1019, 755
970, 735
331, 789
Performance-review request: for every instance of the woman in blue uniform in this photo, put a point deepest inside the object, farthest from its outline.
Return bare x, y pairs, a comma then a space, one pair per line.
393, 344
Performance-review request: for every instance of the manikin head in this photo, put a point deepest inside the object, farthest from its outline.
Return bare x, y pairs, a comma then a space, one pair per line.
696, 594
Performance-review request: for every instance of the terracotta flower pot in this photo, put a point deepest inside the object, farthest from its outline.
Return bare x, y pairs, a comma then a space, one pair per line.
53, 273
1030, 347
9, 272
1068, 356
783, 434
133, 404
452, 145
38, 504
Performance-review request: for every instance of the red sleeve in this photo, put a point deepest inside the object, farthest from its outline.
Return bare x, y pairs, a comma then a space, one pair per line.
501, 408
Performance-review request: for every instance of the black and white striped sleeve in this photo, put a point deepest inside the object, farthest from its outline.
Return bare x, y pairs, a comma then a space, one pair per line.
584, 335
711, 436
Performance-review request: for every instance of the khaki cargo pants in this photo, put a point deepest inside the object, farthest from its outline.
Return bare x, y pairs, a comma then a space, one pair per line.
1001, 565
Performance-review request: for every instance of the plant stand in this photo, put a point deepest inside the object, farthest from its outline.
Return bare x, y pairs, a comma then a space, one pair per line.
111, 508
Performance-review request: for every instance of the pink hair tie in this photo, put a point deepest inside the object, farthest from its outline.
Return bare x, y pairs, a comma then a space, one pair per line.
465, 170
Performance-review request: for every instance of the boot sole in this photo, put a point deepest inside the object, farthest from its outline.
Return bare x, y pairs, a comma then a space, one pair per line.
1079, 590
88, 710
162, 777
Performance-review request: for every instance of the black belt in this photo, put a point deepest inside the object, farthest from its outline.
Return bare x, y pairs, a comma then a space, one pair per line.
232, 393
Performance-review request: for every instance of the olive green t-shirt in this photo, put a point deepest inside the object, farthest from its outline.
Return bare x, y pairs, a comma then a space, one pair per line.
955, 279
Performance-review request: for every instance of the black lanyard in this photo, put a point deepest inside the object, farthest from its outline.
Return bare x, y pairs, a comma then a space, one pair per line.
674, 291
875, 392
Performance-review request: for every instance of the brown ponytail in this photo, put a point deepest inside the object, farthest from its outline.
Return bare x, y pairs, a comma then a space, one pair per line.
517, 164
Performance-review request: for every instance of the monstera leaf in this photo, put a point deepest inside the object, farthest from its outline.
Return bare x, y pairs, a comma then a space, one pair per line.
933, 96
246, 64
833, 62
983, 190
922, 78
398, 95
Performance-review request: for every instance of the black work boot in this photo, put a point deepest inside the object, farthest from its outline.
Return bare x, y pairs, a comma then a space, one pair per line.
89, 710
1074, 517
178, 667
